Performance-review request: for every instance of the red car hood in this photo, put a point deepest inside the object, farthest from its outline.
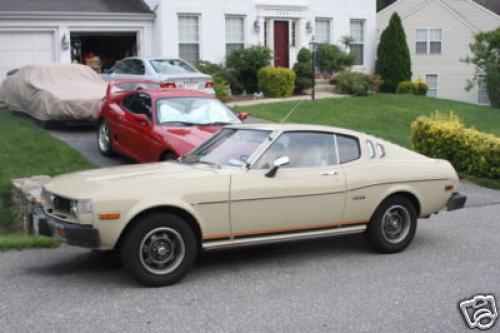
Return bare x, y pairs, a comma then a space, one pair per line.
183, 139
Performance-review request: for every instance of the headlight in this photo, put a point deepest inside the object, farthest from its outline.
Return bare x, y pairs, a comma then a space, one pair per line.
79, 207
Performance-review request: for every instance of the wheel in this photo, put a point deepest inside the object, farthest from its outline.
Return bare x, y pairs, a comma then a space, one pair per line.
159, 250
168, 156
393, 225
104, 138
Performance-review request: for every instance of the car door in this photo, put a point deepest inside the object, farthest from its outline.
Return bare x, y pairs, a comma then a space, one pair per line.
307, 194
136, 132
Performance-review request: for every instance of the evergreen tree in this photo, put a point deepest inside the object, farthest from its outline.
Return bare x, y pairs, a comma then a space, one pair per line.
393, 56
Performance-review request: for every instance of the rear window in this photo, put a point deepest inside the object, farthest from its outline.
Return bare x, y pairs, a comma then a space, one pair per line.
172, 66
349, 149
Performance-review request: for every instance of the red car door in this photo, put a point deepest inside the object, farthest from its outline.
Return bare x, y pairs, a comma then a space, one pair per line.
135, 129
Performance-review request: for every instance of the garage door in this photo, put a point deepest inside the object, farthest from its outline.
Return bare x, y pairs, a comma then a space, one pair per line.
22, 48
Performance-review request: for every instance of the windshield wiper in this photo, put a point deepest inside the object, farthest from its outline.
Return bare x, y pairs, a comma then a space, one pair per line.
181, 123
198, 161
217, 123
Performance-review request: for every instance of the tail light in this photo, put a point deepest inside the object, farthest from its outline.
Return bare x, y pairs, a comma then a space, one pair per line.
168, 84
209, 84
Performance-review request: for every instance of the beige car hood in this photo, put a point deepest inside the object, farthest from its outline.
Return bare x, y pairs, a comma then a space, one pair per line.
83, 185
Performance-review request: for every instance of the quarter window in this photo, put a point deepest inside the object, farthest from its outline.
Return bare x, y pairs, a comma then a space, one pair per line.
323, 30
305, 149
235, 33
189, 38
349, 149
358, 41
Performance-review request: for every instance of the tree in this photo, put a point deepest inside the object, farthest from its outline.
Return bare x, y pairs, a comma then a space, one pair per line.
486, 57
303, 70
246, 63
393, 56
381, 4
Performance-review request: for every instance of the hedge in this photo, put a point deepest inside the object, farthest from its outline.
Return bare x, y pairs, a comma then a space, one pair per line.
469, 150
356, 83
412, 87
276, 81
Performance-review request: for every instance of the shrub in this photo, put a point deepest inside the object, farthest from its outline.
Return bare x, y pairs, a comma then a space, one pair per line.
303, 70
245, 64
358, 84
331, 58
469, 150
220, 76
412, 87
276, 82
393, 56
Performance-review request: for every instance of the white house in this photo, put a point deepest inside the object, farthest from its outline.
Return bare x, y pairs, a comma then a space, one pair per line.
61, 31
439, 33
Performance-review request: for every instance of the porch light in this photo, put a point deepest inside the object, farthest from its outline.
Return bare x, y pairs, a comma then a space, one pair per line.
64, 42
309, 27
256, 26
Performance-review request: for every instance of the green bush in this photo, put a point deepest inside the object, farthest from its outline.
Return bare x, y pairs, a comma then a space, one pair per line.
245, 64
469, 150
412, 88
276, 82
393, 56
356, 83
220, 76
331, 58
303, 70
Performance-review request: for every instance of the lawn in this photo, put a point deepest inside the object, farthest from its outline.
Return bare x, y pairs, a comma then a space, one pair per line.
384, 115
26, 150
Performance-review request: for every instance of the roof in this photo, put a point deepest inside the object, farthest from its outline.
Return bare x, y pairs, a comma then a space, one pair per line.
297, 127
93, 6
493, 5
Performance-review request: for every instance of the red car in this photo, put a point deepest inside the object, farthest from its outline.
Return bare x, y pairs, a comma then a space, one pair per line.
158, 124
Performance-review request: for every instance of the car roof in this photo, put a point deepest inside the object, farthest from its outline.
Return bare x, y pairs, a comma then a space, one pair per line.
297, 127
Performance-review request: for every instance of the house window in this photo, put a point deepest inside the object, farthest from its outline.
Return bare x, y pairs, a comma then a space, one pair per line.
323, 29
358, 41
189, 38
235, 33
432, 82
428, 41
484, 98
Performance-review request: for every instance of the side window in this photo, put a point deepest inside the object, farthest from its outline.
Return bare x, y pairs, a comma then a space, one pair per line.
136, 67
305, 150
121, 67
139, 104
349, 149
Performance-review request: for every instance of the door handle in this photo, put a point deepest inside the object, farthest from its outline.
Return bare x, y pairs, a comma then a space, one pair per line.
329, 173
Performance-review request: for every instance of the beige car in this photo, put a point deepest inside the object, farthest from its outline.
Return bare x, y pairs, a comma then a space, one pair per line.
250, 185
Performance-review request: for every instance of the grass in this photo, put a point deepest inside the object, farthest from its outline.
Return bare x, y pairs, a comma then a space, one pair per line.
26, 150
20, 242
384, 115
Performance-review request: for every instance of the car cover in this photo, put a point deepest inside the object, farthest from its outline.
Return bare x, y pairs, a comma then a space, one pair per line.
63, 92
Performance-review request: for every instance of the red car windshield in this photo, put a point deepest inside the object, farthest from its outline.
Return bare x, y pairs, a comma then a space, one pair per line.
194, 111
230, 147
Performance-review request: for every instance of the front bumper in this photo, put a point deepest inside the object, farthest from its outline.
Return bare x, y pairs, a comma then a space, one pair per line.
457, 201
71, 233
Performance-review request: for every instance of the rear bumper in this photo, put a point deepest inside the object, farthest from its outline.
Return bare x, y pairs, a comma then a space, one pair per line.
71, 233
457, 201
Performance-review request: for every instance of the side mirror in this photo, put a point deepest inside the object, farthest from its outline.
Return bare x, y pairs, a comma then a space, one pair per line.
141, 118
242, 116
278, 163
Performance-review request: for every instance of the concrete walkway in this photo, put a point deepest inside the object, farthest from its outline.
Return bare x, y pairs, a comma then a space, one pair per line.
319, 95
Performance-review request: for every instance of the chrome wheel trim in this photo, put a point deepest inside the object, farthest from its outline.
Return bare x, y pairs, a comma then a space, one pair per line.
396, 224
162, 250
104, 141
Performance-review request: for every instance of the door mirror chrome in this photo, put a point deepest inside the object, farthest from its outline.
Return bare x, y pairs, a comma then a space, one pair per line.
278, 163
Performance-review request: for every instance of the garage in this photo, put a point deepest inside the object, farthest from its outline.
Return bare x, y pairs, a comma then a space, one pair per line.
21, 48
106, 47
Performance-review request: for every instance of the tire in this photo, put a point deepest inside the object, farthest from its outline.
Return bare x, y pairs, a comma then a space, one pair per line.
168, 156
393, 225
159, 250
104, 138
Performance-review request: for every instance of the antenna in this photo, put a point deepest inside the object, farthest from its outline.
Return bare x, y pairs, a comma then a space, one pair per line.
292, 111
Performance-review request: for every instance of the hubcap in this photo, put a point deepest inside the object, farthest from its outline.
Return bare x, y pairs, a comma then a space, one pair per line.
396, 224
104, 137
162, 251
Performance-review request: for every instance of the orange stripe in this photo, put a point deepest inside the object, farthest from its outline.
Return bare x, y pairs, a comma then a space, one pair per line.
216, 236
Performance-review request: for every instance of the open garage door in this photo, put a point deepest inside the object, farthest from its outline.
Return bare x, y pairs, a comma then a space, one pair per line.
107, 47
21, 48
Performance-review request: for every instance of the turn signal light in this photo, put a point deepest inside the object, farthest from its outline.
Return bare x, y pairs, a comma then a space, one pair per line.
209, 85
448, 188
109, 216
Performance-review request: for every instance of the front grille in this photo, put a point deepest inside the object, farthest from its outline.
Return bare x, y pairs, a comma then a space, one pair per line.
62, 205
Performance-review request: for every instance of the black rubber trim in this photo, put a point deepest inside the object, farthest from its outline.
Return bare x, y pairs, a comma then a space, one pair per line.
457, 201
75, 234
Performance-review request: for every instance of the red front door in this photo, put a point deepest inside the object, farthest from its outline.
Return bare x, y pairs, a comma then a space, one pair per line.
281, 44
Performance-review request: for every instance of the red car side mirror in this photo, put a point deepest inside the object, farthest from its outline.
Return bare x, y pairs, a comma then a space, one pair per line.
242, 116
141, 118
